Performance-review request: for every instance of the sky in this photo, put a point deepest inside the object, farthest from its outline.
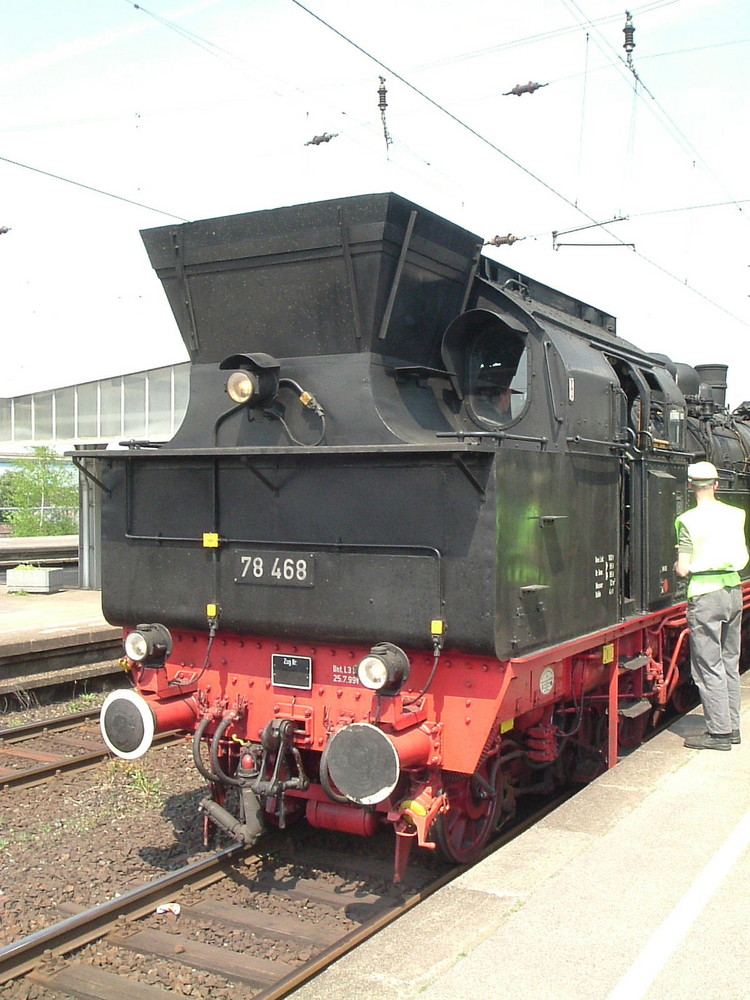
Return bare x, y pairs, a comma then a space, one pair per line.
117, 117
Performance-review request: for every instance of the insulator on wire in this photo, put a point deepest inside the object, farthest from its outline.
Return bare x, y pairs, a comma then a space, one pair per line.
525, 88
629, 32
383, 104
4, 229
318, 139
503, 241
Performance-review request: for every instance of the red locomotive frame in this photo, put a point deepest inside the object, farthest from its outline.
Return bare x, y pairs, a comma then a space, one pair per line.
602, 692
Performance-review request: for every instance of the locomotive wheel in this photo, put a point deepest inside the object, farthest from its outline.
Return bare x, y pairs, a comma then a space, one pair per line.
630, 732
473, 813
684, 697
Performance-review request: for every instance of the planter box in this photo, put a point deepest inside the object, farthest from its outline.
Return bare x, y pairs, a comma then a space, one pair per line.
34, 581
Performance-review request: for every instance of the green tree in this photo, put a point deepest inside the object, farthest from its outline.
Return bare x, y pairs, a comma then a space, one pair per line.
42, 495
6, 480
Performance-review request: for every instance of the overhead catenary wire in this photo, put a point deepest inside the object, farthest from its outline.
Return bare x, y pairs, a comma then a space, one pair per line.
626, 66
218, 50
222, 53
272, 84
191, 36
90, 187
691, 208
583, 110
503, 153
540, 36
641, 215
549, 187
606, 66
443, 110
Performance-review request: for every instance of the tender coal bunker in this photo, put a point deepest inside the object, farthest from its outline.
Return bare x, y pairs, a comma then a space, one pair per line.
371, 270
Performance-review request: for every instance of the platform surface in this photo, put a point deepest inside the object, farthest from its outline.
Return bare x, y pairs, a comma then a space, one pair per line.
636, 889
29, 621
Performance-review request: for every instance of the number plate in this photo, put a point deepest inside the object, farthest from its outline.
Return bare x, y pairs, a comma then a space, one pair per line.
276, 569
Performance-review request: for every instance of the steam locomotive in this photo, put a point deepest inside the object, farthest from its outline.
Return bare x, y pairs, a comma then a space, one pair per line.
409, 556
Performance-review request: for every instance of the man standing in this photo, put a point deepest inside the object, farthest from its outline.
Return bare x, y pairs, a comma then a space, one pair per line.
711, 548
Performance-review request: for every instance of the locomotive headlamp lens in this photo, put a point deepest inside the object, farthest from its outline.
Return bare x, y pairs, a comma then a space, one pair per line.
136, 646
385, 669
372, 672
241, 387
148, 644
254, 378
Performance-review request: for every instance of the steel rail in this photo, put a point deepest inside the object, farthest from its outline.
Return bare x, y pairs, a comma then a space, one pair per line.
361, 934
44, 771
12, 734
21, 956
24, 955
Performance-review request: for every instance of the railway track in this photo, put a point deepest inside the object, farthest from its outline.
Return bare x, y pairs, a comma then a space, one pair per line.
253, 926
208, 936
37, 751
48, 550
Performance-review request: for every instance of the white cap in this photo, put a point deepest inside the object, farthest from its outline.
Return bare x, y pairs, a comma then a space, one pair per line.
702, 472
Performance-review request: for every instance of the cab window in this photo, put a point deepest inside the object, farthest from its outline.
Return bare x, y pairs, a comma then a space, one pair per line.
497, 376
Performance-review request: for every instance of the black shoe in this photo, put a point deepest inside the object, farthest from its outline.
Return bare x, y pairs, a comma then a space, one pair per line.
734, 736
709, 741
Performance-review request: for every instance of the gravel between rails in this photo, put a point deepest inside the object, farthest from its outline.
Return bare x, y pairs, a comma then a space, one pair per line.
82, 837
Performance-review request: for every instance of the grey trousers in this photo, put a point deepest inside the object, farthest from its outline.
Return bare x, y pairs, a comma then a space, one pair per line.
714, 621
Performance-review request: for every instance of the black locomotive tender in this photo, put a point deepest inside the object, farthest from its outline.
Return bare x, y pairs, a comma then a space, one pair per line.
411, 551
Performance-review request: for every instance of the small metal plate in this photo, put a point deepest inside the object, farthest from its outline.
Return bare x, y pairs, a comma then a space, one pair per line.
275, 569
291, 671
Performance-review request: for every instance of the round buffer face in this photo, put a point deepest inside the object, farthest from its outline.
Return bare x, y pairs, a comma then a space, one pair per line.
127, 724
363, 763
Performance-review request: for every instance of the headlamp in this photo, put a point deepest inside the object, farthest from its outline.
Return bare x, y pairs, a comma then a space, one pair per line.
254, 378
149, 644
372, 672
241, 386
385, 669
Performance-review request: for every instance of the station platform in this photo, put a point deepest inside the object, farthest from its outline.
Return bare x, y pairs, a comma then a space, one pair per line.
37, 632
636, 889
